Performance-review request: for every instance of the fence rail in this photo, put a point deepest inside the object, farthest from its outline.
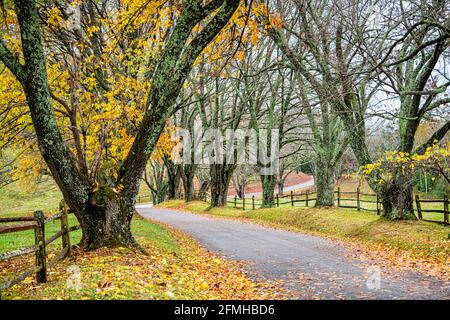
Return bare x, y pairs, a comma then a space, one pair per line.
344, 199
37, 223
444, 211
144, 198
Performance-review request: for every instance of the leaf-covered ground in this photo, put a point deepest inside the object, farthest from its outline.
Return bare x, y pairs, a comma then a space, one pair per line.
176, 268
414, 245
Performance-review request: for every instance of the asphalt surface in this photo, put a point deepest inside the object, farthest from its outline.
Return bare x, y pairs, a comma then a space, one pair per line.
306, 184
309, 267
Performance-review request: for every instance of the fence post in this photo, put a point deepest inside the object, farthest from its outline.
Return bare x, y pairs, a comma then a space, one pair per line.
446, 213
39, 240
339, 196
378, 205
358, 205
419, 208
278, 201
243, 203
253, 202
306, 203
65, 227
292, 198
235, 200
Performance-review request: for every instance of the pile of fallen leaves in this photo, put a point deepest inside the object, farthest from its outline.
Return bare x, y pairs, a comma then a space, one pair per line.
401, 259
188, 273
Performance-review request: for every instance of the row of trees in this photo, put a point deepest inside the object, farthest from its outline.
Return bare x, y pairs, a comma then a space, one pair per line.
99, 80
97, 87
329, 74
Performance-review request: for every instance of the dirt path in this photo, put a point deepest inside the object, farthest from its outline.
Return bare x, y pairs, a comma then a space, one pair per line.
309, 266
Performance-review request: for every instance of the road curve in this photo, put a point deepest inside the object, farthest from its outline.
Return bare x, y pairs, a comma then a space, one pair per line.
308, 266
306, 184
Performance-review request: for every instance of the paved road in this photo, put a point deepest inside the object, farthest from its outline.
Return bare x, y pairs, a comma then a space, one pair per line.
308, 266
306, 184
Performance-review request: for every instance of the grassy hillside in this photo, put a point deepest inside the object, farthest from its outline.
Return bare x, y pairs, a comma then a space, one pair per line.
14, 201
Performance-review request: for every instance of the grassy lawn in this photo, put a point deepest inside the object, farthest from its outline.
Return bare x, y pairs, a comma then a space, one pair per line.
417, 244
175, 268
16, 203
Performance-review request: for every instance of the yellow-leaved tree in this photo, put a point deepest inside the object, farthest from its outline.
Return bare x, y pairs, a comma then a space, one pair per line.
89, 85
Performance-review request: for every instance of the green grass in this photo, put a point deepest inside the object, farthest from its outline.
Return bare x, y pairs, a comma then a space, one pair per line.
14, 202
139, 227
16, 240
159, 235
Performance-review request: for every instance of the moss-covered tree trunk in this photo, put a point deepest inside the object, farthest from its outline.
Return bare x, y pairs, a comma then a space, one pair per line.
187, 176
324, 175
106, 221
397, 200
268, 183
173, 178
397, 197
104, 214
173, 186
220, 180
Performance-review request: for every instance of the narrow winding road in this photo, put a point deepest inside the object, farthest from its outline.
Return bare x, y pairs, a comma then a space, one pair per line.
306, 184
308, 266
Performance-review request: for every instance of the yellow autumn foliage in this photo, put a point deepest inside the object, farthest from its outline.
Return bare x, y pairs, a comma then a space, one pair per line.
100, 93
436, 158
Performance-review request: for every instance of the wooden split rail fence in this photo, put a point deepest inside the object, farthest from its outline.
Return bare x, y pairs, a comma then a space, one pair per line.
343, 199
37, 223
252, 203
360, 199
445, 210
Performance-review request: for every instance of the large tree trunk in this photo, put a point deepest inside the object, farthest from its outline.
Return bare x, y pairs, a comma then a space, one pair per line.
187, 176
106, 221
397, 200
104, 215
219, 194
173, 176
324, 184
220, 180
268, 186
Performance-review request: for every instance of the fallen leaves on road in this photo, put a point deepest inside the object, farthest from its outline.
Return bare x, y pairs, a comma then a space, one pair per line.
400, 259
